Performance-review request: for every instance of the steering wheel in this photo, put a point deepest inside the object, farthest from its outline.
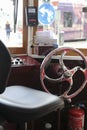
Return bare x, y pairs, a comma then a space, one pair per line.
67, 74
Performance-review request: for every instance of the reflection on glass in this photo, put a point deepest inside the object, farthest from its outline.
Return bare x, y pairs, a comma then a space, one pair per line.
7, 34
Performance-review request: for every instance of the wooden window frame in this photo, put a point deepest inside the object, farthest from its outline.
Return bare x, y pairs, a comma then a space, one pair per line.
22, 50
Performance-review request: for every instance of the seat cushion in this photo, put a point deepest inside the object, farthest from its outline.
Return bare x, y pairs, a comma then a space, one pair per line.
23, 103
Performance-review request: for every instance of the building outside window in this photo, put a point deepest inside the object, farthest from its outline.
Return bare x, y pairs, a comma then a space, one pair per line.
69, 19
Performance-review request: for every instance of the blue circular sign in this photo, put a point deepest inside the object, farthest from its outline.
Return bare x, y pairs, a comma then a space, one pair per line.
46, 14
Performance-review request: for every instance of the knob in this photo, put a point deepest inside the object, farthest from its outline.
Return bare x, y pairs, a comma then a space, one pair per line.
48, 125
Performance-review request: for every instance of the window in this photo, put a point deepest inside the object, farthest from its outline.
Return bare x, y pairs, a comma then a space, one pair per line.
68, 19
16, 41
70, 23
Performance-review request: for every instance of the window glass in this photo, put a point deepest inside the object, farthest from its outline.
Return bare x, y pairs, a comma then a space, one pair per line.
68, 19
69, 26
7, 34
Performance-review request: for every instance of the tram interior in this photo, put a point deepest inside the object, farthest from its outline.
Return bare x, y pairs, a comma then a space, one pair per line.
48, 83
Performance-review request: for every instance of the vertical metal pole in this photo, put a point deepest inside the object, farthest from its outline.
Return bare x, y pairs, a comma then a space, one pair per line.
15, 13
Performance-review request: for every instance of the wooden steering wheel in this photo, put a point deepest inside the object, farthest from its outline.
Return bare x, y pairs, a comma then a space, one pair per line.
67, 74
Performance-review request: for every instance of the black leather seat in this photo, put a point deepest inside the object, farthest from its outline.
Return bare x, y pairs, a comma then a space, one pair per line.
21, 103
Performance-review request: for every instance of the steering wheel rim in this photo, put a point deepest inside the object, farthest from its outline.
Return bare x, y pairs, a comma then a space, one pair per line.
70, 80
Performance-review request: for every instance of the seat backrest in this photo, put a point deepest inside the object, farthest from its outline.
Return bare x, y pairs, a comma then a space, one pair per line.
5, 66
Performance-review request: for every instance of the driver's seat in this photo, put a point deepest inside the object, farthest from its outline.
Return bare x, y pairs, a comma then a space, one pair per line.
18, 103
